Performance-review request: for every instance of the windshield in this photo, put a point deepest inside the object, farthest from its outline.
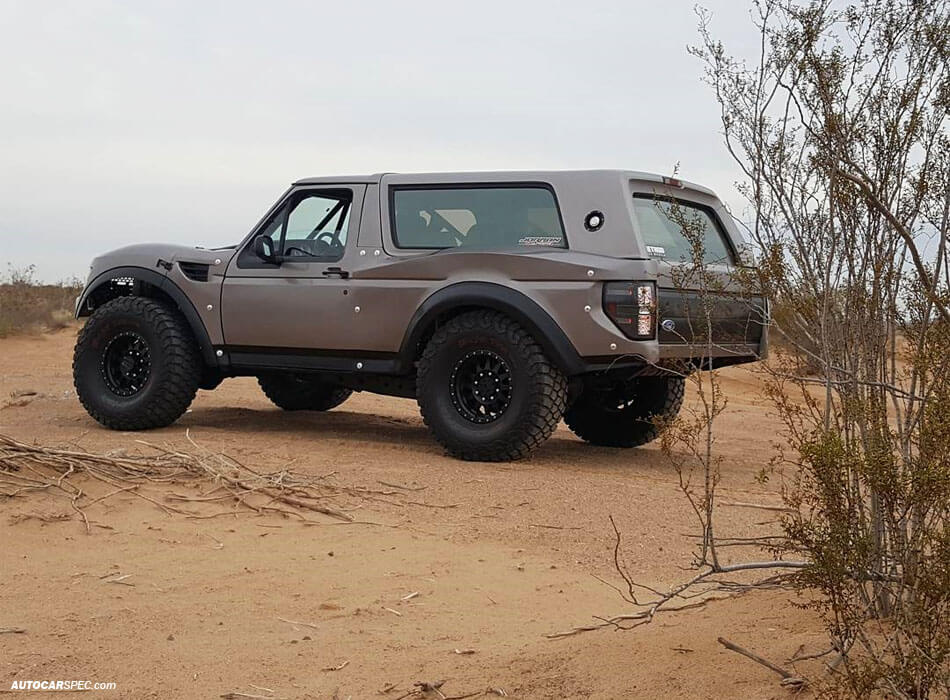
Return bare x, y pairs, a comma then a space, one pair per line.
663, 224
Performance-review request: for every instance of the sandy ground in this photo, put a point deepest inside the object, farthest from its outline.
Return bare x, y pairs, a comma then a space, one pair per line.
515, 557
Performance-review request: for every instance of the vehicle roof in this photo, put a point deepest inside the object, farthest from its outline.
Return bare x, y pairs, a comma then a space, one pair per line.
493, 176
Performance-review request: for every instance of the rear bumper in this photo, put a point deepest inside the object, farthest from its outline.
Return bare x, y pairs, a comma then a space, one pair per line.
661, 357
718, 351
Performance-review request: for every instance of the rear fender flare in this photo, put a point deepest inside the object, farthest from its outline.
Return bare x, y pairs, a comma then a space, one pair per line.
503, 299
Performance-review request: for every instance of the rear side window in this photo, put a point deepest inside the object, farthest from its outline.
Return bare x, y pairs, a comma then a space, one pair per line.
662, 221
487, 218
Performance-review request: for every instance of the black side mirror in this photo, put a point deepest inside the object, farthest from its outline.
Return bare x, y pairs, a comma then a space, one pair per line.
264, 249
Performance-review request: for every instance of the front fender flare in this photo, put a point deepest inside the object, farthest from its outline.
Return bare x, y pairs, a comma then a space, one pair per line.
166, 286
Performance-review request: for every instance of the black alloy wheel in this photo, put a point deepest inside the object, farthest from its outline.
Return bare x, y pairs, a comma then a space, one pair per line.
126, 364
481, 386
486, 389
136, 364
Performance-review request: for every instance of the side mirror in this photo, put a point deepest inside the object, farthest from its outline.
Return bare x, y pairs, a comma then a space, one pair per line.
264, 249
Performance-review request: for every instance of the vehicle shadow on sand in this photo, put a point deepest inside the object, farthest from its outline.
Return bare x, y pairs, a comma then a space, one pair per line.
340, 424
358, 427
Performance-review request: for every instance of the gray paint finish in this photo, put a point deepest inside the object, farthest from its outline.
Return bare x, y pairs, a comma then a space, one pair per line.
296, 305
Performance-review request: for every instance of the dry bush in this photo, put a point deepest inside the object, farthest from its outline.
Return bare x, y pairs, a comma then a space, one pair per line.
26, 305
841, 129
786, 314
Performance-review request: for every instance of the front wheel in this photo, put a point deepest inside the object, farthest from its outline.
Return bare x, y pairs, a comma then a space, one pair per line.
486, 389
136, 364
628, 414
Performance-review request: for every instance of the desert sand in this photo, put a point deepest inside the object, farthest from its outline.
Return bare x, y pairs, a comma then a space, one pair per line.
499, 555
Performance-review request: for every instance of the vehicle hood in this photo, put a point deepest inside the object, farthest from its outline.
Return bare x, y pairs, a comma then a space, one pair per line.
151, 256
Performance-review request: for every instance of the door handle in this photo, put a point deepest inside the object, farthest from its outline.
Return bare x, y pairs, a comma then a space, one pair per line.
336, 272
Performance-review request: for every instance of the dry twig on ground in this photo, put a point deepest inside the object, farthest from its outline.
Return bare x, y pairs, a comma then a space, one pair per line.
788, 678
709, 575
25, 468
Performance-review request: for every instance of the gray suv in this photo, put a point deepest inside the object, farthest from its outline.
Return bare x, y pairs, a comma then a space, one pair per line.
501, 301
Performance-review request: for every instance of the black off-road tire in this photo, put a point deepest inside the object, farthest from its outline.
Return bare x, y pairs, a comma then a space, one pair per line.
298, 392
537, 396
175, 365
598, 417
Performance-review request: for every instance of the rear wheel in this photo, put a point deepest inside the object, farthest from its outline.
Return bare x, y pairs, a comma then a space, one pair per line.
300, 392
625, 415
486, 389
136, 365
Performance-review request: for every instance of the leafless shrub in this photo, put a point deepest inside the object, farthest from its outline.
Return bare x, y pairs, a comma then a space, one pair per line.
26, 305
841, 131
688, 441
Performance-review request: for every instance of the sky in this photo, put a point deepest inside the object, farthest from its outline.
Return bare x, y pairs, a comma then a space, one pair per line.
130, 122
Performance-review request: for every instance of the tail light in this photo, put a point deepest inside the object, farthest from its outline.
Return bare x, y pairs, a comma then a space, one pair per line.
632, 306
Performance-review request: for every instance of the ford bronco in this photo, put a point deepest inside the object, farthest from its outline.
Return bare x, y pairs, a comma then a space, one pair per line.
500, 301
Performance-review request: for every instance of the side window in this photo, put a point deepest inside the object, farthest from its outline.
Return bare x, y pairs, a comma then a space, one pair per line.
483, 217
315, 225
662, 224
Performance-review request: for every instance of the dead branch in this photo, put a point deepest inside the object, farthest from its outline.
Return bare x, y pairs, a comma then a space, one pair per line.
554, 527
29, 467
760, 506
432, 505
298, 623
649, 608
788, 678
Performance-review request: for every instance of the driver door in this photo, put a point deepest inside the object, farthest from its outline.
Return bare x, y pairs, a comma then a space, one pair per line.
299, 302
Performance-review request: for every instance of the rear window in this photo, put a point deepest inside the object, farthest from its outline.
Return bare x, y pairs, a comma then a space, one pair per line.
476, 217
662, 221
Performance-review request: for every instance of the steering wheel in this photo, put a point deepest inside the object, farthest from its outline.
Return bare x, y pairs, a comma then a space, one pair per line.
331, 240
326, 244
294, 251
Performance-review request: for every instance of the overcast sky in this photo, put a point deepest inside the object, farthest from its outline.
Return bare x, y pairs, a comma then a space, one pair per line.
125, 122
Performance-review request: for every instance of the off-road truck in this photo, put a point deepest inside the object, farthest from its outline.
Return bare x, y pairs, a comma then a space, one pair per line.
500, 301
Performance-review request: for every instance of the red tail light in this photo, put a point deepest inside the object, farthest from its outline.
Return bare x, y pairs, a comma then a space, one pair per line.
632, 306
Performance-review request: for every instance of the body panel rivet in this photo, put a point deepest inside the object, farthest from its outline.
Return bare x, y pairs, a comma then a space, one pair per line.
359, 365
217, 261
613, 346
356, 309
210, 307
590, 273
220, 353
587, 308
362, 252
375, 252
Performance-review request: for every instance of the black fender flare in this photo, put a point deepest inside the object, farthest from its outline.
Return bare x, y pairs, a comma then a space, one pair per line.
506, 300
166, 286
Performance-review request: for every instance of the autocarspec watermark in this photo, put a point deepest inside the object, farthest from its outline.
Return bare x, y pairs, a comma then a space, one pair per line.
61, 685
